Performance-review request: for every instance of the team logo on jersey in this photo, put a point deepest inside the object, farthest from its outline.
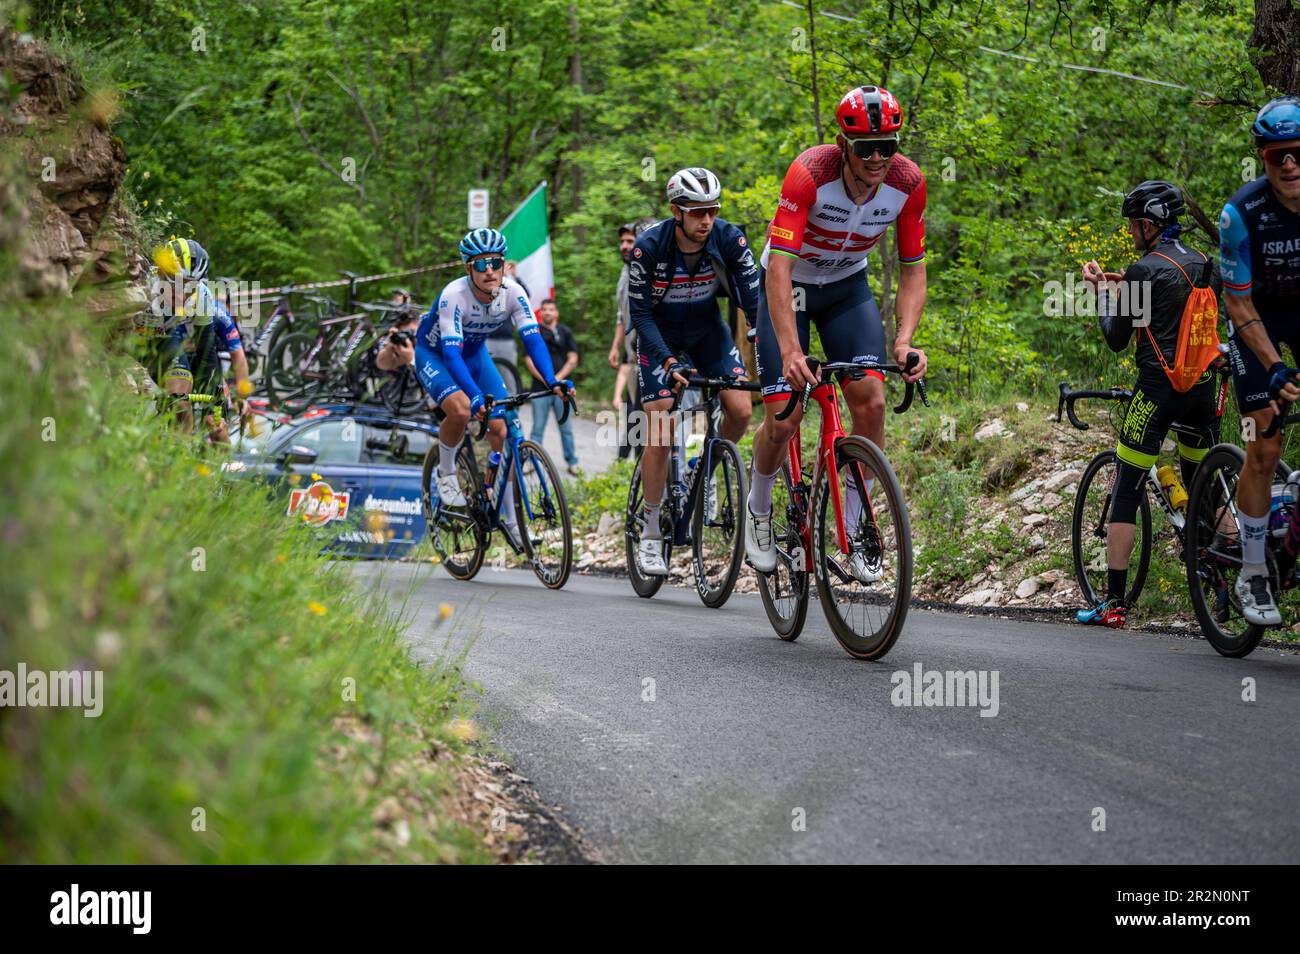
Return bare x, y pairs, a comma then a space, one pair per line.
1224, 219
783, 234
743, 243
636, 252
786, 204
318, 504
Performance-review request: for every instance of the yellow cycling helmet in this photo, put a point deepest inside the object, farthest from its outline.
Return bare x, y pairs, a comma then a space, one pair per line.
184, 258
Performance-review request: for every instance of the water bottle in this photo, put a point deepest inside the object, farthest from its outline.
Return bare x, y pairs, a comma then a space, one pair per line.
494, 461
1173, 487
1282, 498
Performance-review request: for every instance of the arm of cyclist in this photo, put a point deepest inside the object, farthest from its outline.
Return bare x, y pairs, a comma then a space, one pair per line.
780, 307
1235, 273
650, 341
742, 271
909, 234
1116, 328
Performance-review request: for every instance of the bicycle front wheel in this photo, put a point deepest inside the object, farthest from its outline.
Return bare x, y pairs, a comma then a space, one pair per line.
865, 592
1213, 549
543, 516
1089, 528
784, 591
457, 536
716, 528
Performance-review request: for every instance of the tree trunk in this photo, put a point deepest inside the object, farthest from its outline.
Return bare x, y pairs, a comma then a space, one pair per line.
1275, 44
812, 52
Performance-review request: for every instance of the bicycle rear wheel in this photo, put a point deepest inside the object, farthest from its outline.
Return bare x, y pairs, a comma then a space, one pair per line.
1213, 548
1089, 527
645, 586
716, 528
457, 536
293, 372
543, 516
866, 592
784, 591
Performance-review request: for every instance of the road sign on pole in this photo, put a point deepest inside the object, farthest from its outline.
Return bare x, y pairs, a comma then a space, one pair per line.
478, 208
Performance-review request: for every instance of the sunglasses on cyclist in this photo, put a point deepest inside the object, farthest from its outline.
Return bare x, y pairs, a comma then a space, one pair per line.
863, 148
1276, 155
483, 264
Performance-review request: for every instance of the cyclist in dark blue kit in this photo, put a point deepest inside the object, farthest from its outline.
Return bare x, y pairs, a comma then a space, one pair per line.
677, 269
1259, 256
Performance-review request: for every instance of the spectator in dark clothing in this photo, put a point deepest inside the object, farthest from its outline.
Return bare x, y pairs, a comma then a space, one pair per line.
564, 358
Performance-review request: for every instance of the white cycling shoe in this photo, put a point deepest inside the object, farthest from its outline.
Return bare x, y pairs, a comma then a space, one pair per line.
1257, 603
650, 557
866, 569
449, 491
758, 541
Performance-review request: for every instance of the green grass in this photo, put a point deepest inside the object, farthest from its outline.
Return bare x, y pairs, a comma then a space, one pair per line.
226, 687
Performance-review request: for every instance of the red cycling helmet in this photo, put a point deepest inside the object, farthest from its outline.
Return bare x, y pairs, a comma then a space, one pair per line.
868, 111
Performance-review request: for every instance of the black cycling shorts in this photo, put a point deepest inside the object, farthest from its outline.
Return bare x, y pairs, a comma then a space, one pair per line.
1249, 376
1155, 406
848, 323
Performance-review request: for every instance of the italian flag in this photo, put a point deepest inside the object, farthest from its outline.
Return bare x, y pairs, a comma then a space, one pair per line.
530, 245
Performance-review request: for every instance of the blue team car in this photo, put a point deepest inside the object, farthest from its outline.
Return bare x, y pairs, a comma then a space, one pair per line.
352, 472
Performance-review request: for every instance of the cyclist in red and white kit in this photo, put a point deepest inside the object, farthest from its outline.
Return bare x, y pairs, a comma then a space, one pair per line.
836, 202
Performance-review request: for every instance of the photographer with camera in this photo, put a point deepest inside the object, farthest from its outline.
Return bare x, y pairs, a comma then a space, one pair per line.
398, 348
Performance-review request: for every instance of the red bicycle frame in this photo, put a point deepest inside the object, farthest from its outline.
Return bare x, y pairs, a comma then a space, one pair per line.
832, 430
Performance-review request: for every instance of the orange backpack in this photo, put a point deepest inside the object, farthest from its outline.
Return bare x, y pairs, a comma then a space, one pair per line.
1198, 334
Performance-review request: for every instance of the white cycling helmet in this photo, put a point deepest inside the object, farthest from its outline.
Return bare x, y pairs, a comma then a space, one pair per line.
695, 184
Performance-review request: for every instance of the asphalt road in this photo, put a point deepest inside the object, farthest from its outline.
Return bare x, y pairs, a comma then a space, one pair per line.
747, 735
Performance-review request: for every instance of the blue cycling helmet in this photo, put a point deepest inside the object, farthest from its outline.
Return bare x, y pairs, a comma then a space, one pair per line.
1277, 121
482, 242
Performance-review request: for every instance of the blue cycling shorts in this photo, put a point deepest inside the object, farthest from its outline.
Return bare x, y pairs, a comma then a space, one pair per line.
437, 380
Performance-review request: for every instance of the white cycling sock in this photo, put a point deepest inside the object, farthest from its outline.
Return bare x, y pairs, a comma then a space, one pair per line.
508, 507
1254, 530
446, 458
760, 491
652, 530
853, 503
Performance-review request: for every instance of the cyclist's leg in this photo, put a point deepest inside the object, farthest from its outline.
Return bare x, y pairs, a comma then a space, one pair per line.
715, 355
1197, 409
1250, 381
851, 329
454, 405
657, 400
772, 439
1147, 419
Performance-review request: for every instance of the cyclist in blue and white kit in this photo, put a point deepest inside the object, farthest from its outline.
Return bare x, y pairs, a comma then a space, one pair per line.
676, 271
1259, 257
452, 359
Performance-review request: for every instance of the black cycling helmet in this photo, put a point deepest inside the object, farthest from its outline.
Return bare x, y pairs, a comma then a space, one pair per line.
627, 227
1156, 201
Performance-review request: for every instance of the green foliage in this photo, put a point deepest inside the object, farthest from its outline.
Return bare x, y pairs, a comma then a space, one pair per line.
224, 640
244, 116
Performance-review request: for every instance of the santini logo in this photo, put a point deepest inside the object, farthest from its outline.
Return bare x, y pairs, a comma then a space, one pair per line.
946, 688
103, 907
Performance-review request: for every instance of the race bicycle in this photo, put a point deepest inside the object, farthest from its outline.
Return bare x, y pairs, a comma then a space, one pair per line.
1214, 554
703, 500
845, 522
461, 536
1092, 501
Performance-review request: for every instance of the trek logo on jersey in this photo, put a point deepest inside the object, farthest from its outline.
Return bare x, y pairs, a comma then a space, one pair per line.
782, 234
318, 504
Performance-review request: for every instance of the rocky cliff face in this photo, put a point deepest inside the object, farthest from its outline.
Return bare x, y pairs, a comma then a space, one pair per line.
60, 169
